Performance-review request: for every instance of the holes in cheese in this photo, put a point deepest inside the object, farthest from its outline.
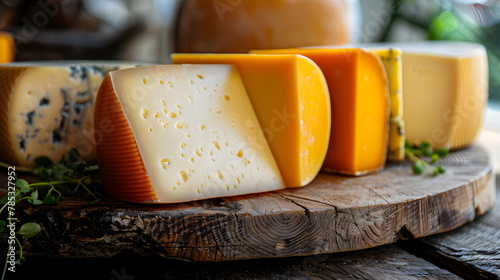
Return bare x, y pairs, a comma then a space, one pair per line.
290, 97
360, 107
199, 153
47, 108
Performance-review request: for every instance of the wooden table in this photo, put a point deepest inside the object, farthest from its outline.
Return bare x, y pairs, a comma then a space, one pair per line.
471, 251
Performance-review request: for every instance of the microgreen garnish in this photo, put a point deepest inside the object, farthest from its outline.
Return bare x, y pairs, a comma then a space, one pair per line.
416, 153
69, 177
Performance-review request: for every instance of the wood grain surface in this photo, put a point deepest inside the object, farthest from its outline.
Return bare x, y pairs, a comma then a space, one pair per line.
387, 262
333, 214
472, 251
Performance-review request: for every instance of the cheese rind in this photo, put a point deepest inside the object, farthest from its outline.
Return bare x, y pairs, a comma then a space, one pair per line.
189, 132
291, 99
47, 109
360, 104
391, 58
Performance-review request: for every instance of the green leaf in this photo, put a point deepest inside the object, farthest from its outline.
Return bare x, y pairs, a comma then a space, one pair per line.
73, 156
59, 169
441, 169
424, 145
34, 195
2, 226
442, 152
49, 199
29, 229
35, 201
45, 173
4, 199
22, 184
426, 148
434, 158
43, 161
418, 168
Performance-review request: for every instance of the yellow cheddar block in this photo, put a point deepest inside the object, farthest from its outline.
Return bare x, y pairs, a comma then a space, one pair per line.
6, 48
359, 94
290, 97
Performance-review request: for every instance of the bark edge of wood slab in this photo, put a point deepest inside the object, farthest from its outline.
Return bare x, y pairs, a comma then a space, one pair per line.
332, 214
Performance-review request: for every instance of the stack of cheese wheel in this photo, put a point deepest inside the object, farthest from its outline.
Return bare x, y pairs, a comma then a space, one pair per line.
215, 125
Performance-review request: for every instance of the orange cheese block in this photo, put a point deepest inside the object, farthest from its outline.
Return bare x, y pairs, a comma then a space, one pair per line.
6, 48
291, 99
221, 26
179, 133
359, 94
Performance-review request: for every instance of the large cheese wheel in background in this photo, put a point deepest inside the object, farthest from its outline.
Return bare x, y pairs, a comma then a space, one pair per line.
229, 26
47, 108
181, 133
360, 104
291, 99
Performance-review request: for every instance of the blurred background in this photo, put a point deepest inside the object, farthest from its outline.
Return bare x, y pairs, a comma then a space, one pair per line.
149, 30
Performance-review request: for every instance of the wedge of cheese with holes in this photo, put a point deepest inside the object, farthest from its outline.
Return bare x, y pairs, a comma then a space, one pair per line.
47, 108
6, 47
360, 104
290, 97
181, 133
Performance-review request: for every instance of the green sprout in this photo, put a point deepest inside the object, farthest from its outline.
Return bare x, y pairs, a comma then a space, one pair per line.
69, 177
416, 153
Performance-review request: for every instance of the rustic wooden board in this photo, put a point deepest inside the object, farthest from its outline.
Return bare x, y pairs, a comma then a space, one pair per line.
385, 262
471, 251
333, 214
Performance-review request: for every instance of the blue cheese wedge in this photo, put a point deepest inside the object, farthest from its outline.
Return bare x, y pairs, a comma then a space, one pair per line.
47, 108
